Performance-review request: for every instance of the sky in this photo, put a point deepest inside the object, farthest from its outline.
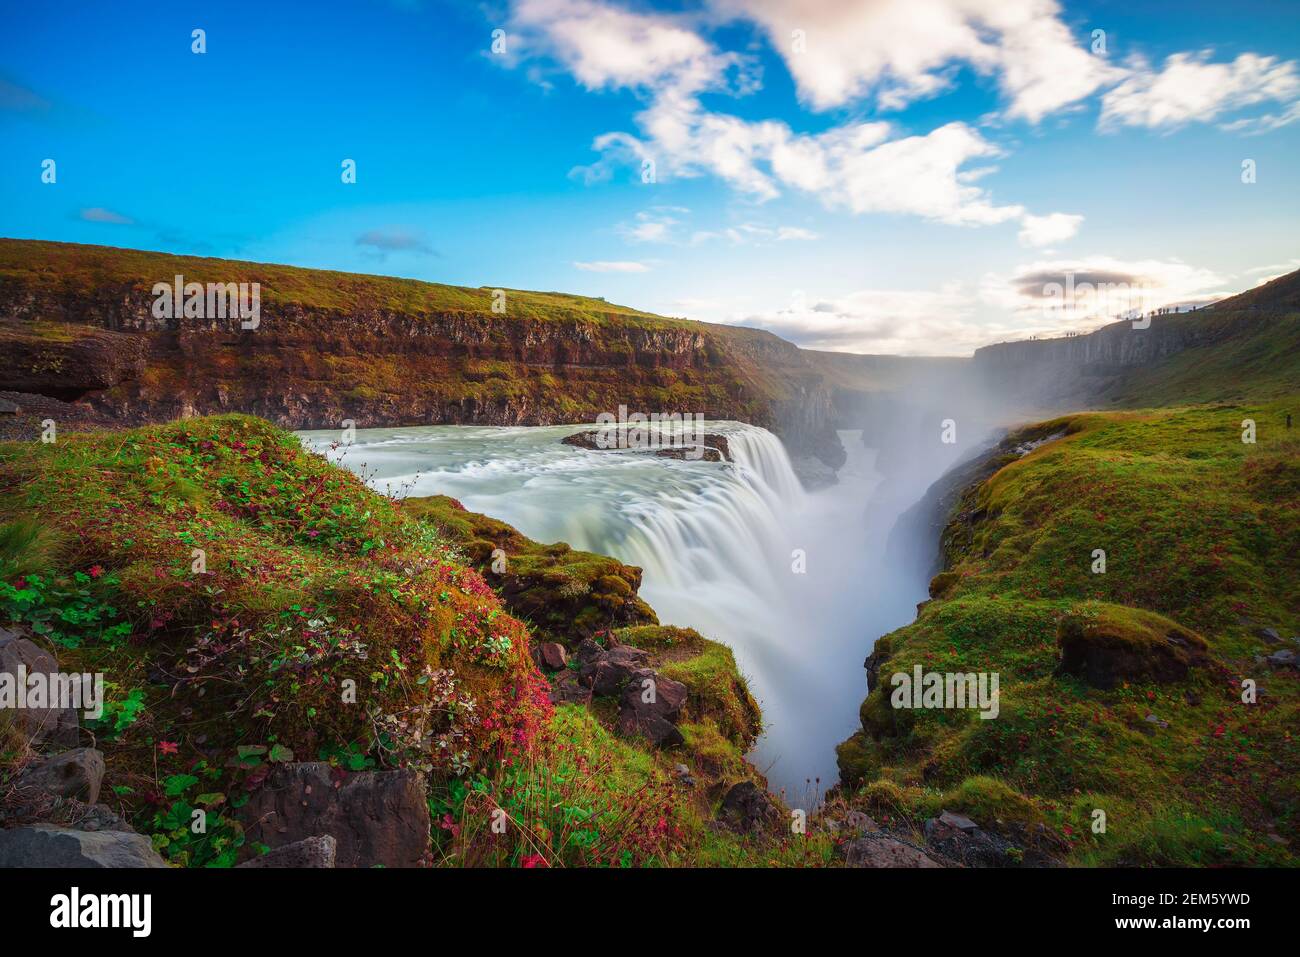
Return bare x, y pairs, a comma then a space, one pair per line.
916, 177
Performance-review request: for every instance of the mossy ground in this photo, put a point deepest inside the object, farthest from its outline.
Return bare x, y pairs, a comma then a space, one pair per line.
567, 596
1199, 529
249, 603
231, 585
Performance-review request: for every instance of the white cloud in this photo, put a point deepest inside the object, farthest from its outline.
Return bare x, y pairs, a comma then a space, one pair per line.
859, 166
1191, 88
655, 225
754, 233
903, 50
1092, 290
788, 233
1049, 229
604, 46
606, 266
903, 322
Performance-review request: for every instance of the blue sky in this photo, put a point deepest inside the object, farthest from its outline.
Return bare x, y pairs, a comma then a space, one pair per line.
881, 176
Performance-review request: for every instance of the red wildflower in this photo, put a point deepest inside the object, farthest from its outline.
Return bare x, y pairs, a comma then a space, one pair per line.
96, 571
168, 747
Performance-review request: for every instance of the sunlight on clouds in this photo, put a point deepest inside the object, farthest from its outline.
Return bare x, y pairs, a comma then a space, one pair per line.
902, 50
1190, 88
1046, 230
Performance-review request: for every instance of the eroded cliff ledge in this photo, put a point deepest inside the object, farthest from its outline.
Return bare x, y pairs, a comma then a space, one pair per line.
78, 324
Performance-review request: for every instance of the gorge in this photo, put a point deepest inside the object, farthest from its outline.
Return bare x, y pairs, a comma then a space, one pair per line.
920, 512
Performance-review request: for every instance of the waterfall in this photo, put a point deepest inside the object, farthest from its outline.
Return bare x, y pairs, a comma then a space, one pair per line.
718, 545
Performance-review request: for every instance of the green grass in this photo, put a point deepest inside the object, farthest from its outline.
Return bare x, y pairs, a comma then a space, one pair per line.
1257, 361
81, 271
1200, 533
307, 581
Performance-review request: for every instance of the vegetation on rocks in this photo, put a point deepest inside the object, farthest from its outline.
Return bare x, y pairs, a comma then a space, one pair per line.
1127, 691
251, 606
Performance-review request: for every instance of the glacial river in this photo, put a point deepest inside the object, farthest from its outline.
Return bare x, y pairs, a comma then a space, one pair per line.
717, 542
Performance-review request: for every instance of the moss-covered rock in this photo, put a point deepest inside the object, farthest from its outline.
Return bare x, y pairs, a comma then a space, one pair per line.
249, 603
1109, 644
564, 594
1115, 579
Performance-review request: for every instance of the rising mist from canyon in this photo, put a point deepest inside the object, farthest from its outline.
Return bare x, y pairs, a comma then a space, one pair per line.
798, 583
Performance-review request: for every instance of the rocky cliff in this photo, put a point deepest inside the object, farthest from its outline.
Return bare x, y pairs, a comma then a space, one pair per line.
80, 324
1108, 361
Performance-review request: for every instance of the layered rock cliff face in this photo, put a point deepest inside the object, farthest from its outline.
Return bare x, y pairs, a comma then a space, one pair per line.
1081, 368
79, 324
1112, 348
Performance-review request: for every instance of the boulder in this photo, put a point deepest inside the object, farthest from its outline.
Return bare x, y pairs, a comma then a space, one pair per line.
959, 821
877, 850
588, 651
660, 732
54, 726
747, 807
72, 774
567, 689
376, 817
45, 845
959, 839
1119, 645
655, 718
611, 670
319, 851
862, 823
1283, 659
553, 655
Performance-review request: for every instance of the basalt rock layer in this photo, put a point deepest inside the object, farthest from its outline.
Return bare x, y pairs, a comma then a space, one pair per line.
79, 323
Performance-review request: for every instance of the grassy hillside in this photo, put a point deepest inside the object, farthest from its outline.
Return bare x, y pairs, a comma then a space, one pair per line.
81, 271
228, 584
1200, 532
1259, 360
77, 325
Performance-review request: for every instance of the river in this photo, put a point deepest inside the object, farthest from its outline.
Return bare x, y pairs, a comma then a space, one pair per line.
719, 544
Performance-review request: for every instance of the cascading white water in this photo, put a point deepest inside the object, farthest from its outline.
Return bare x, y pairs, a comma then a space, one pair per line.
717, 543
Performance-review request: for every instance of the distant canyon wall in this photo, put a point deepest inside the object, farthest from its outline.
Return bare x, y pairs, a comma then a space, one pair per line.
312, 367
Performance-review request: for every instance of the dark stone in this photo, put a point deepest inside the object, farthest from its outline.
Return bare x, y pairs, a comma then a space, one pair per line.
607, 674
747, 807
553, 655
317, 851
567, 689
959, 821
655, 719
878, 850
588, 651
45, 845
860, 822
54, 726
1283, 659
377, 817
1105, 656
72, 774
715, 448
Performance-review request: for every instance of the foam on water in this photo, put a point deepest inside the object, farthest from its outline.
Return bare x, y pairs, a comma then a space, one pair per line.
716, 541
